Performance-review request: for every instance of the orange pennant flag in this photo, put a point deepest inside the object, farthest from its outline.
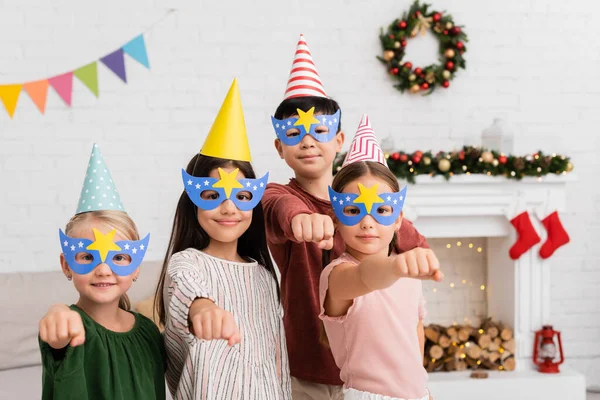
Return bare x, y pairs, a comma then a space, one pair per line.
38, 92
9, 94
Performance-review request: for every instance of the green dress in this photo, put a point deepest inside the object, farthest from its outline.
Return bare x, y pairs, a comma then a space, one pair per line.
109, 365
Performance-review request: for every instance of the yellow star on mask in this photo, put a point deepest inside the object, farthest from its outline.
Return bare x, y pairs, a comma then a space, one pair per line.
228, 181
104, 243
306, 119
368, 196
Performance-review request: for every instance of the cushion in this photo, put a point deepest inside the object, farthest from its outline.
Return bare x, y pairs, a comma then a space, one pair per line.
25, 298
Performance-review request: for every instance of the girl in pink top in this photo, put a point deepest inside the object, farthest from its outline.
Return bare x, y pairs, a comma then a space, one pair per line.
371, 309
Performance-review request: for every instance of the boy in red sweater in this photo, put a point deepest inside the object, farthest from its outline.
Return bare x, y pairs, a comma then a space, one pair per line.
308, 128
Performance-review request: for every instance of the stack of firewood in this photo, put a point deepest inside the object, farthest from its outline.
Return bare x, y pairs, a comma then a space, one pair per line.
456, 348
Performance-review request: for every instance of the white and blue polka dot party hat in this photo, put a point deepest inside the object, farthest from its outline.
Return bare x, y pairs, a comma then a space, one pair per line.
99, 191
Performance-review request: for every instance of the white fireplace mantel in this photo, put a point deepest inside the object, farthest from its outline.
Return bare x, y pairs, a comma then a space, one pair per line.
518, 291
454, 208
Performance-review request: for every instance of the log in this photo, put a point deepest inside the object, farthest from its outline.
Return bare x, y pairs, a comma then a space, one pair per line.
455, 364
483, 340
436, 352
479, 375
494, 356
472, 363
434, 365
495, 344
473, 350
505, 354
491, 327
444, 341
456, 351
491, 365
506, 334
452, 333
509, 364
432, 332
464, 333
509, 345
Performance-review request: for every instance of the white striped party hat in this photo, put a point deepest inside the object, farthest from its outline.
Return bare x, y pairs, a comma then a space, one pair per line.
364, 146
99, 191
304, 79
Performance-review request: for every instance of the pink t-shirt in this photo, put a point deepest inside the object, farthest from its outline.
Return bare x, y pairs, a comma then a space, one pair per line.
375, 344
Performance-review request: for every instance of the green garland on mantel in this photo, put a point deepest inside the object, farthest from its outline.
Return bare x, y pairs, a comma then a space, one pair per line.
470, 160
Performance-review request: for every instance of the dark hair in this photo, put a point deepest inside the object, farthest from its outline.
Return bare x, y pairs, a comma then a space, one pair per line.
187, 232
288, 107
354, 171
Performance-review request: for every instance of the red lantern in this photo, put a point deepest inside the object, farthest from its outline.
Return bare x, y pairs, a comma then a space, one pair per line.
544, 352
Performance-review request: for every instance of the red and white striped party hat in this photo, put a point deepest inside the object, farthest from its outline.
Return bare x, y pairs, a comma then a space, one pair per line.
304, 79
364, 146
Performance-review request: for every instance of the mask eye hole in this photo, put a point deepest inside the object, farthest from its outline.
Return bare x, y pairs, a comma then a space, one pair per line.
351, 211
244, 196
292, 132
385, 210
84, 258
122, 259
209, 195
322, 130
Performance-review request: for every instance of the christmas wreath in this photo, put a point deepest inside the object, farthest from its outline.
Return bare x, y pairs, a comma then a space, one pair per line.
452, 47
470, 160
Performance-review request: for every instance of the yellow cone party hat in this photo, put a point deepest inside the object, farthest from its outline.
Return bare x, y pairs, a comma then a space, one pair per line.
227, 138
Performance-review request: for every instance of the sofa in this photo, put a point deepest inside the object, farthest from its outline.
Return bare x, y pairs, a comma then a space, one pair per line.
24, 299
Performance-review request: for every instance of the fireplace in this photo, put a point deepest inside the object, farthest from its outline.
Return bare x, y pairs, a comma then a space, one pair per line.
476, 210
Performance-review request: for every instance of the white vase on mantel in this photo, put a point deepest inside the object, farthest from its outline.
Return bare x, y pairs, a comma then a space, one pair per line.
499, 137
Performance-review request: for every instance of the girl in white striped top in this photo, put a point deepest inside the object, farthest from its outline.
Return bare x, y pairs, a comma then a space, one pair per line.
218, 296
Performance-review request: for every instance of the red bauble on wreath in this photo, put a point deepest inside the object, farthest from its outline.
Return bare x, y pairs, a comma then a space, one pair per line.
419, 19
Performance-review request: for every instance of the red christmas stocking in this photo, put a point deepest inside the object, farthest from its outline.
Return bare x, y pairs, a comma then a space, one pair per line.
528, 237
557, 236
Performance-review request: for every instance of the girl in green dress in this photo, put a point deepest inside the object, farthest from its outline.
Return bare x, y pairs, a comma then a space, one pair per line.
97, 348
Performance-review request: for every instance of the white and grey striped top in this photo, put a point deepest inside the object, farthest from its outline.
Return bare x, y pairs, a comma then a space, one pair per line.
257, 367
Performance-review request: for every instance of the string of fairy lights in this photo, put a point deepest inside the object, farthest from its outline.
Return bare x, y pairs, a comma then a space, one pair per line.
462, 282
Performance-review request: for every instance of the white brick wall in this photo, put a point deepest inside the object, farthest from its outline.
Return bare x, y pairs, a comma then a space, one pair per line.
533, 62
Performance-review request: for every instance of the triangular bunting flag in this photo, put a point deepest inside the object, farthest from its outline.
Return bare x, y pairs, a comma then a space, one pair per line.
38, 91
9, 94
136, 49
88, 75
114, 61
63, 84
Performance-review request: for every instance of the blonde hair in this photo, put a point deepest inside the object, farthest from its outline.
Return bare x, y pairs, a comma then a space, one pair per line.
118, 220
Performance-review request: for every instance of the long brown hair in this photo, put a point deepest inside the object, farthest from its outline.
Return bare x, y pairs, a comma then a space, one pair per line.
116, 219
187, 232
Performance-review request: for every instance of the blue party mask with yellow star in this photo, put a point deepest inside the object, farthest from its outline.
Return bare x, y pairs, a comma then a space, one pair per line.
291, 131
351, 208
208, 193
123, 257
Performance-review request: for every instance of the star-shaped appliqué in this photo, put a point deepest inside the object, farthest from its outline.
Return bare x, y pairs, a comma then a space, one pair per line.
368, 196
104, 243
306, 119
228, 181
